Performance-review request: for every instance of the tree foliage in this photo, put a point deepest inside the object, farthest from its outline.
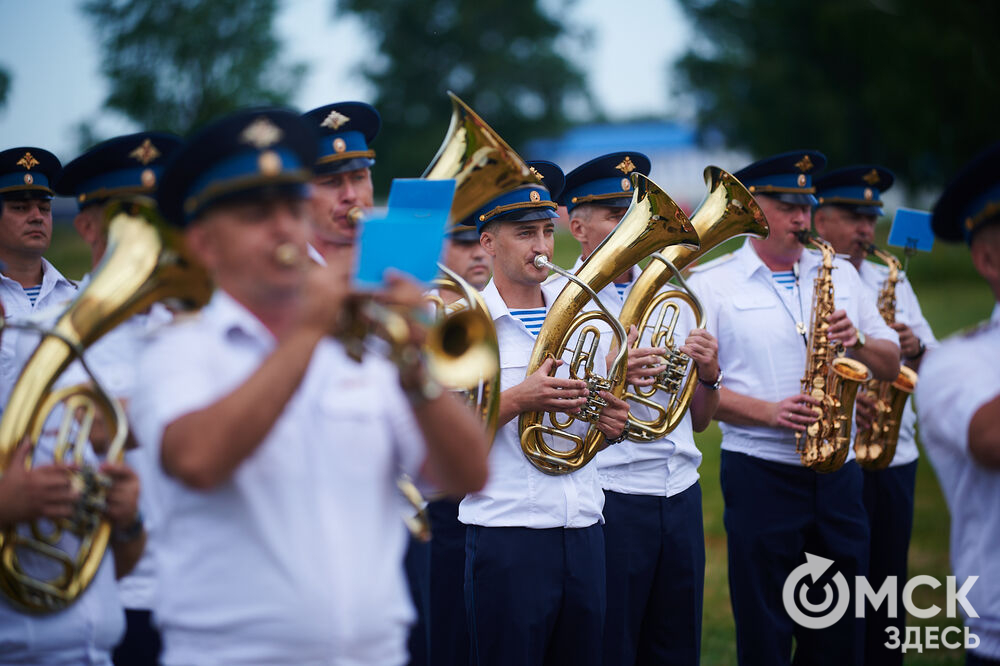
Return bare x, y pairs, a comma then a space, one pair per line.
176, 64
500, 57
905, 83
4, 86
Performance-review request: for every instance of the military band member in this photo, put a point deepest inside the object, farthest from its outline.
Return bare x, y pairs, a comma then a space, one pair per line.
464, 254
88, 629
653, 530
958, 402
849, 206
534, 571
29, 284
110, 171
278, 453
758, 302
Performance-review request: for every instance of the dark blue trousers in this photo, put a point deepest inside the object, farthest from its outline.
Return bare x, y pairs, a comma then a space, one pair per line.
449, 631
141, 644
774, 514
888, 497
656, 578
418, 575
535, 597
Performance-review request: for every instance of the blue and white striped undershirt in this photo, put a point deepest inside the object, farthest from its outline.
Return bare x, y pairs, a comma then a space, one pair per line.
532, 318
621, 287
32, 293
784, 279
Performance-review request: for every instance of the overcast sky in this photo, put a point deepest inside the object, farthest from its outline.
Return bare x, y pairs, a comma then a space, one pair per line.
49, 48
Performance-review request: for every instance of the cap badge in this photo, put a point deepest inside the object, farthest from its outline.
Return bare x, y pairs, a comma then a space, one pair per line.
801, 180
868, 194
269, 163
335, 120
339, 145
148, 178
27, 161
534, 196
145, 153
805, 164
28, 179
626, 184
261, 133
871, 178
536, 174
626, 166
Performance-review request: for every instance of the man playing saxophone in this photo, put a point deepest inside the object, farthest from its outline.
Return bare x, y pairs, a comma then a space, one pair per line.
278, 452
534, 572
653, 529
849, 205
757, 303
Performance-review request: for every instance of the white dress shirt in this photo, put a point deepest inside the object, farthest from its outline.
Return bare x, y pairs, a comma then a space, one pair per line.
956, 379
667, 466
760, 350
516, 493
297, 558
16, 345
907, 312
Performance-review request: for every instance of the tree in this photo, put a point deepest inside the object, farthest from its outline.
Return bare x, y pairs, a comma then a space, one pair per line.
4, 86
176, 64
500, 57
905, 83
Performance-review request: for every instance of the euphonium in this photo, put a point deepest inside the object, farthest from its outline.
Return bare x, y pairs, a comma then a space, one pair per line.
144, 263
830, 377
875, 447
728, 210
652, 221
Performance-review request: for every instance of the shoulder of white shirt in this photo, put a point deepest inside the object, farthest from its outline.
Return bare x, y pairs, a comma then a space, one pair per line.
714, 263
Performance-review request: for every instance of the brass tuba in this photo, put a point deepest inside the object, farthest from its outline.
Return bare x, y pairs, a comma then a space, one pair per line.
652, 221
144, 263
728, 211
830, 377
875, 447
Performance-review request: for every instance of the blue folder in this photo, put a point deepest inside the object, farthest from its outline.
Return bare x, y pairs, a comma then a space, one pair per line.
911, 229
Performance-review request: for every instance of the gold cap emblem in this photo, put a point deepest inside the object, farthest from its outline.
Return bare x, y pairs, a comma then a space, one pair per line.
27, 161
626, 184
868, 194
148, 178
269, 163
535, 196
335, 120
805, 164
339, 145
28, 179
626, 166
536, 174
871, 178
801, 180
261, 133
145, 153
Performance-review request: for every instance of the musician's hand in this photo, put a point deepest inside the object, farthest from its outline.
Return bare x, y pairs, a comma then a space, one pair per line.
613, 417
541, 393
794, 412
841, 329
404, 295
909, 344
703, 349
324, 294
123, 496
41, 492
864, 409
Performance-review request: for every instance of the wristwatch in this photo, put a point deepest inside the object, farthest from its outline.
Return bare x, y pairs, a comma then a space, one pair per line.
131, 532
860, 341
920, 351
712, 386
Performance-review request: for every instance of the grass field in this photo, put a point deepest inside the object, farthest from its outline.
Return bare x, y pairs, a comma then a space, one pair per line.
952, 297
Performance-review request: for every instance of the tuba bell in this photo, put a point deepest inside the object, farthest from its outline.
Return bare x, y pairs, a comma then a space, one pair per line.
144, 263
652, 221
728, 211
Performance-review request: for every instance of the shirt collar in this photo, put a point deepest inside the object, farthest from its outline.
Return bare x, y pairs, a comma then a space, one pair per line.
498, 308
751, 261
228, 316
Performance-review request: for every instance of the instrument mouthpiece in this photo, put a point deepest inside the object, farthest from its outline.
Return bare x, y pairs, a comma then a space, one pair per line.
541, 261
287, 254
355, 216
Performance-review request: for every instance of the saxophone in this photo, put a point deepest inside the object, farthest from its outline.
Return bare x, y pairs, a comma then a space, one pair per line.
875, 446
830, 377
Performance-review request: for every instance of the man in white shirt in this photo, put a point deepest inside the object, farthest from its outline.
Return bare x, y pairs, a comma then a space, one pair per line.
758, 303
653, 530
958, 402
114, 169
849, 205
534, 570
87, 630
277, 452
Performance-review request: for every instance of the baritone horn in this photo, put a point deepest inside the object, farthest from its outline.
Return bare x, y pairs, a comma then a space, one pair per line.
652, 221
144, 263
728, 211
